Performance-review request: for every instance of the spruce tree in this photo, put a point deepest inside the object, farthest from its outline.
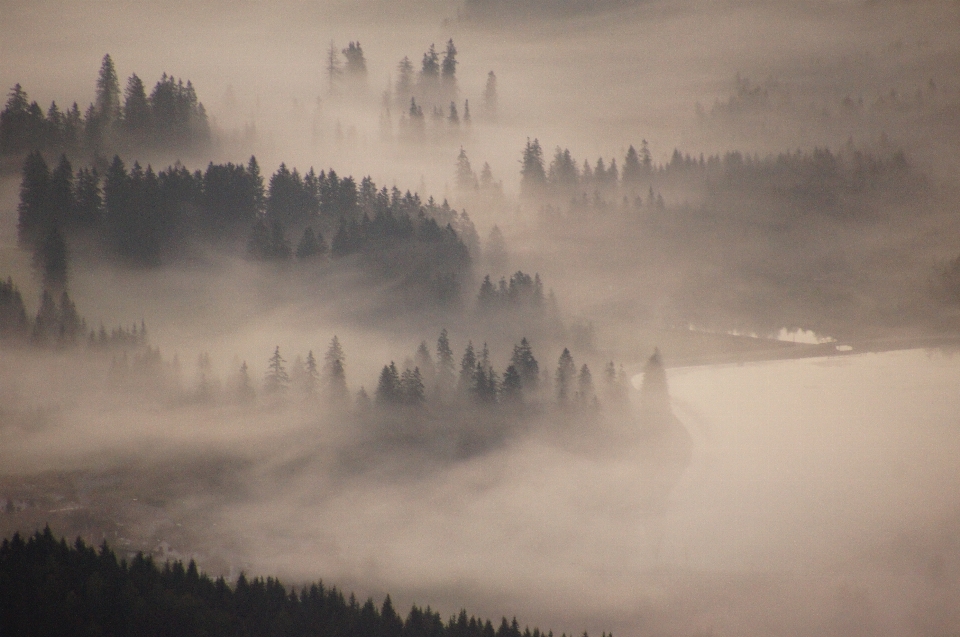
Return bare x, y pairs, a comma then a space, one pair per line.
532, 174
311, 378
335, 372
108, 94
566, 371
445, 365
468, 366
276, 380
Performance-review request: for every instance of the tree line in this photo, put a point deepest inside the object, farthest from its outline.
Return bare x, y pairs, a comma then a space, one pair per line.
48, 587
171, 116
144, 217
818, 177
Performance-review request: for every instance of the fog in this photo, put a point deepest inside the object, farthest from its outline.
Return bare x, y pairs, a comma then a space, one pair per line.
766, 297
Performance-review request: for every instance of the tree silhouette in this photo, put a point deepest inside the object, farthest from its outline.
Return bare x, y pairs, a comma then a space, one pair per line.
276, 380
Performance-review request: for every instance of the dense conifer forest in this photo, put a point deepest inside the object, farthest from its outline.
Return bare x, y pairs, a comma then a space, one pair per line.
48, 587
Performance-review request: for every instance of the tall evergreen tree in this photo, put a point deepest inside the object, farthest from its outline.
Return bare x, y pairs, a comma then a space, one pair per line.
526, 365
276, 380
136, 109
532, 174
445, 365
335, 372
311, 378
388, 386
466, 178
631, 167
566, 371
468, 365
108, 94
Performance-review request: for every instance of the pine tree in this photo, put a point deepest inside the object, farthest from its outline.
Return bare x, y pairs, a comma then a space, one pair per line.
334, 70
136, 109
511, 390
108, 94
311, 378
445, 365
448, 73
532, 175
566, 371
411, 387
308, 247
468, 366
585, 392
276, 380
245, 390
335, 372
526, 365
388, 386
466, 178
631, 167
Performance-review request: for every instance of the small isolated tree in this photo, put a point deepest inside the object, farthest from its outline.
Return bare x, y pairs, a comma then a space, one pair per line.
276, 380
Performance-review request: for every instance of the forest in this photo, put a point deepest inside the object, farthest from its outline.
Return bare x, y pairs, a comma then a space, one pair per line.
615, 317
48, 587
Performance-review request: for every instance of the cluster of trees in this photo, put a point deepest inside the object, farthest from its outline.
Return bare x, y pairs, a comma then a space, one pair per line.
425, 379
55, 324
817, 178
142, 216
170, 117
522, 291
48, 587
58, 324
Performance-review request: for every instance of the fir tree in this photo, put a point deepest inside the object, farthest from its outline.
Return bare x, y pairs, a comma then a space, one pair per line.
388, 386
335, 372
468, 366
445, 365
276, 380
311, 378
566, 371
532, 175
